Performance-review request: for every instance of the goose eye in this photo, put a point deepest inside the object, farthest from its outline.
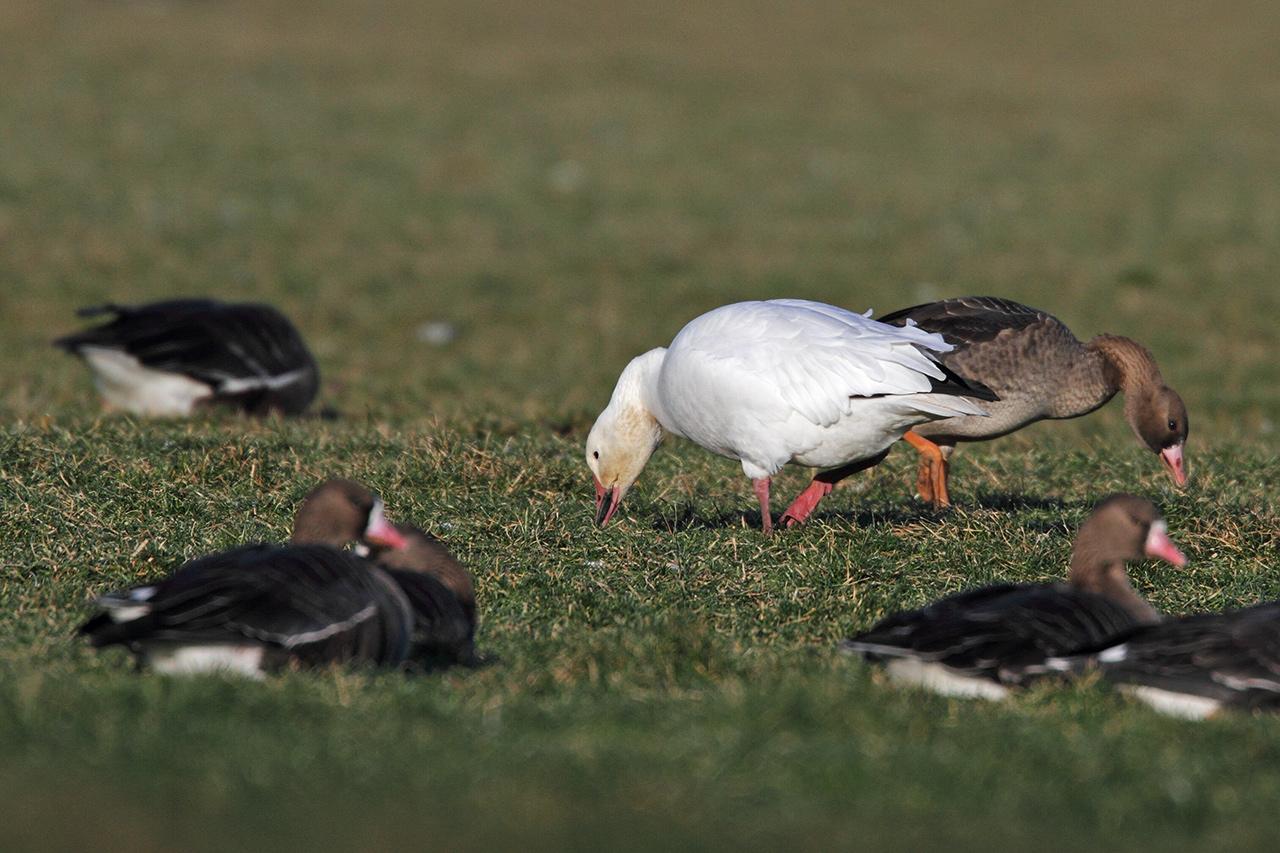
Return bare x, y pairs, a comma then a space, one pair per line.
595, 454
1173, 426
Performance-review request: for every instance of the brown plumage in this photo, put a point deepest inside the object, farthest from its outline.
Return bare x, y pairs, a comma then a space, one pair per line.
338, 512
438, 587
171, 358
979, 642
440, 592
1040, 371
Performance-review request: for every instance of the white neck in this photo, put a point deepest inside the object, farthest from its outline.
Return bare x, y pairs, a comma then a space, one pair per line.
638, 385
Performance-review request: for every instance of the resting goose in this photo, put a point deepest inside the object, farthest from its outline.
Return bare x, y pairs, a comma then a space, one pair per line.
257, 608
771, 383
980, 642
166, 358
440, 593
1195, 666
1039, 370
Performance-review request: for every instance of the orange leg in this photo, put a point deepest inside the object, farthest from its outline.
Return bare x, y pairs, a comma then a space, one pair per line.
941, 498
931, 481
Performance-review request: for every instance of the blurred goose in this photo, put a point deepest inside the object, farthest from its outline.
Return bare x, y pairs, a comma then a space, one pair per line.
1195, 666
257, 608
1039, 370
338, 512
771, 383
979, 642
440, 594
167, 358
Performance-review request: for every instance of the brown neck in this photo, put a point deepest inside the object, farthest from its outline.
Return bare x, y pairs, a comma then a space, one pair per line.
1129, 366
1109, 579
430, 557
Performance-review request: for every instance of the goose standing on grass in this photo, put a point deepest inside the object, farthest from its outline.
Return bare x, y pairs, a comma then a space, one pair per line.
167, 358
1039, 370
981, 642
1195, 666
771, 383
257, 608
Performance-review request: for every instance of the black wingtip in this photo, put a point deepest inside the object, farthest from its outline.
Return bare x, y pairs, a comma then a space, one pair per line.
955, 384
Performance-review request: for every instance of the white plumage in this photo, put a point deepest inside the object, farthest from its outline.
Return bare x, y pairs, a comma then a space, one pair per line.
126, 384
774, 382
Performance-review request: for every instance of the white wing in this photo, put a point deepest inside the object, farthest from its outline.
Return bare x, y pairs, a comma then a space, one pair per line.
815, 357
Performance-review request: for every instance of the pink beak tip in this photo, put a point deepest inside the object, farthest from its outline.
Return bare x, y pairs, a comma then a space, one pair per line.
385, 534
1171, 456
1161, 547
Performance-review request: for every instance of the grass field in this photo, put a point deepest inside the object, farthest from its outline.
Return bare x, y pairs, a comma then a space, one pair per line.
565, 185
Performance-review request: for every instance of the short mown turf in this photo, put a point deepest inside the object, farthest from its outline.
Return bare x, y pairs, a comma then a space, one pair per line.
476, 213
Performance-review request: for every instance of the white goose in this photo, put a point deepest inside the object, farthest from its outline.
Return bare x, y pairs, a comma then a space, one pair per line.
774, 382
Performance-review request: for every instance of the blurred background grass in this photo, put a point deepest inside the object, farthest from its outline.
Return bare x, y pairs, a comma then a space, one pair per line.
563, 185
567, 184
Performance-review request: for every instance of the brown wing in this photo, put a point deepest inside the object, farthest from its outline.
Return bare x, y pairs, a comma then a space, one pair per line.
968, 320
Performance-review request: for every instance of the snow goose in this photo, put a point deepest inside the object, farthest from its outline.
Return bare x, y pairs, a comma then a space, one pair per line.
1039, 370
978, 643
1195, 666
259, 607
771, 383
166, 358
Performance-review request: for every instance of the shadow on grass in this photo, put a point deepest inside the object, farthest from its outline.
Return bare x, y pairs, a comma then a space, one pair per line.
1015, 501
687, 519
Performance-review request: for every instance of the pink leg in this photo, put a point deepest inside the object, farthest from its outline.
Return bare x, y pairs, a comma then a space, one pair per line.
822, 486
761, 487
805, 502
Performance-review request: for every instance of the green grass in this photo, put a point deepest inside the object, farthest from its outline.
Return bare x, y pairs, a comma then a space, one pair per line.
567, 185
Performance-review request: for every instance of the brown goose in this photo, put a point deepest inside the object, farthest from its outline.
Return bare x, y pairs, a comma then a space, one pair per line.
1039, 370
1196, 666
981, 642
338, 512
257, 608
440, 592
438, 587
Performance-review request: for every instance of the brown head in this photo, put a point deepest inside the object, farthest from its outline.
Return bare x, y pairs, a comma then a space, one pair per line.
1159, 419
338, 512
422, 552
1154, 411
1121, 528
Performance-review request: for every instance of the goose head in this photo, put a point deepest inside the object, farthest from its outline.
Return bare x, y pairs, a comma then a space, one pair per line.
618, 447
1122, 528
341, 511
625, 434
1160, 422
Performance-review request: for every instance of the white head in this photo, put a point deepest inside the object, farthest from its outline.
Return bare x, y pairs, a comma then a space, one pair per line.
623, 437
